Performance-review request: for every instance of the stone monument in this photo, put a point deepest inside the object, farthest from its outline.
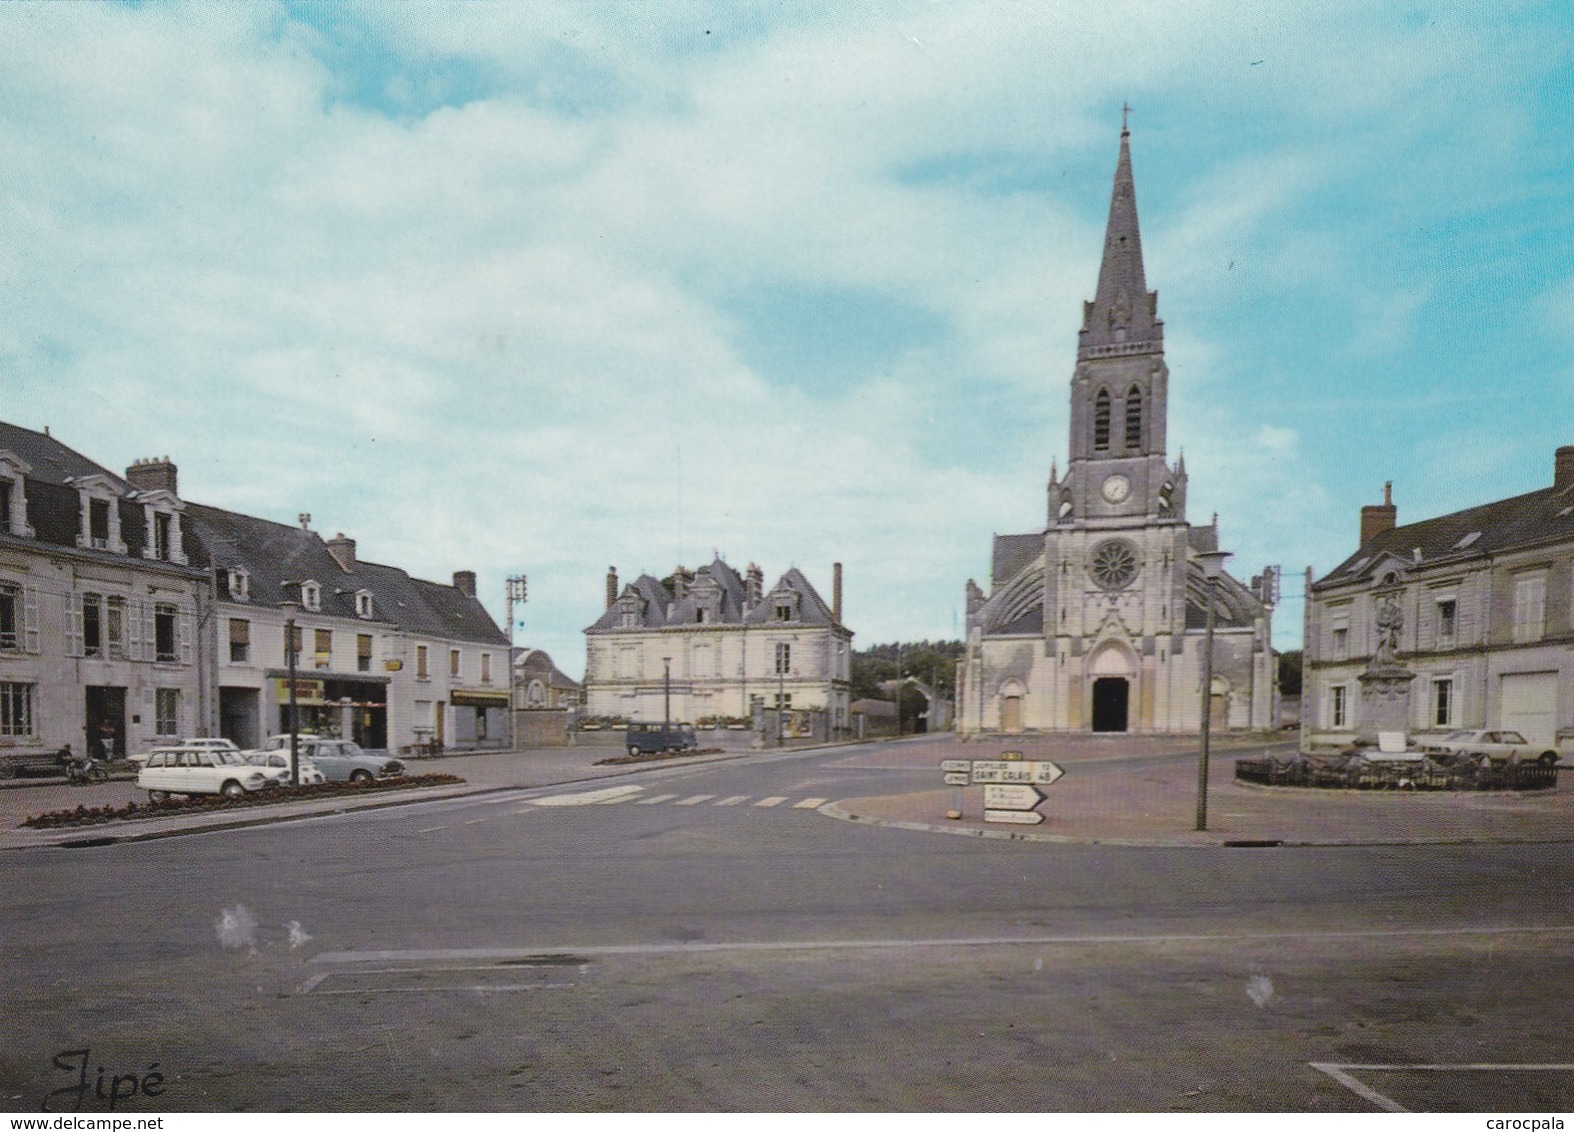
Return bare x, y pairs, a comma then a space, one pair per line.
1385, 685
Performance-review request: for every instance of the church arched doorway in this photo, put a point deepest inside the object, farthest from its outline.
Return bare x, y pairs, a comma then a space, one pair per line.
1011, 694
1111, 697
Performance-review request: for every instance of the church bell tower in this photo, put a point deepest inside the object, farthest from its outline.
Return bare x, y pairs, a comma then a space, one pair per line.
1120, 389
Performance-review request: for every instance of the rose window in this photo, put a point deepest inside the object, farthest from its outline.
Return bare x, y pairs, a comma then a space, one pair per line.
1114, 565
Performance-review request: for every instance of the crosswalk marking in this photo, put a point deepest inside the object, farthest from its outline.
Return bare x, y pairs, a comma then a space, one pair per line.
616, 800
773, 800
810, 804
734, 800
651, 801
696, 800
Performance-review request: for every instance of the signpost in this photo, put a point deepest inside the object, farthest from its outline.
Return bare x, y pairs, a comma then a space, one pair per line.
1011, 786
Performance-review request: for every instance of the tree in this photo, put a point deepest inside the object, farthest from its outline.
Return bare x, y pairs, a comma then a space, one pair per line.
932, 662
1290, 673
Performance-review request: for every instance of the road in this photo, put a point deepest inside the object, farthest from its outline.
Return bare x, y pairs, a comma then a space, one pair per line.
704, 938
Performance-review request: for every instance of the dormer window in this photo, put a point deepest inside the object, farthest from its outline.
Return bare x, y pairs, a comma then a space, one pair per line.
363, 604
13, 495
161, 514
99, 524
239, 584
311, 597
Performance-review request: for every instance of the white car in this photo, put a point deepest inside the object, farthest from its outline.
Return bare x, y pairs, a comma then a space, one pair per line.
195, 770
203, 744
1498, 746
276, 765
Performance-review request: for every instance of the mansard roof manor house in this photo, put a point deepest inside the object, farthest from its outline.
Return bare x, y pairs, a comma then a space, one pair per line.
1094, 622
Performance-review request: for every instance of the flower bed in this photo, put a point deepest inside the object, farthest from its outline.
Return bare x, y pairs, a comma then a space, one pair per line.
1353, 772
205, 803
656, 756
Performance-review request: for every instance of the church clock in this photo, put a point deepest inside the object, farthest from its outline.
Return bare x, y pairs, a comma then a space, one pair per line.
1116, 488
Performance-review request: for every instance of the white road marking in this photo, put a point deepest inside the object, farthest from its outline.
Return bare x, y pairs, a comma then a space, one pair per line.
428, 990
431, 829
512, 953
615, 801
475, 821
657, 798
774, 800
734, 800
696, 800
1337, 1071
591, 798
810, 804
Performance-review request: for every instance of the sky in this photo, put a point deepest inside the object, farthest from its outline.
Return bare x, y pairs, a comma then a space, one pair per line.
540, 289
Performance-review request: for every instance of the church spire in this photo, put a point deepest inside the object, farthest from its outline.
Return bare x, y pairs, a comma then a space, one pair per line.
1123, 313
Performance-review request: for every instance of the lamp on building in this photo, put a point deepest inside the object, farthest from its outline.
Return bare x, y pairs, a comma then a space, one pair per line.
1212, 563
290, 609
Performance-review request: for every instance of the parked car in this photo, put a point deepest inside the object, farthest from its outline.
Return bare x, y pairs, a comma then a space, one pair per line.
1498, 746
276, 765
204, 743
340, 760
651, 738
194, 770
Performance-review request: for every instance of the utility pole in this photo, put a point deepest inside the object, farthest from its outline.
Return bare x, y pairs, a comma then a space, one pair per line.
516, 590
1212, 562
290, 643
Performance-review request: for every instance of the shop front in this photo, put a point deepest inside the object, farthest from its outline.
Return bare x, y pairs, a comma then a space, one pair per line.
354, 709
480, 719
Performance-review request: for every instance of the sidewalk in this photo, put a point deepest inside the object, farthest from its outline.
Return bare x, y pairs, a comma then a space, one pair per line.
1157, 805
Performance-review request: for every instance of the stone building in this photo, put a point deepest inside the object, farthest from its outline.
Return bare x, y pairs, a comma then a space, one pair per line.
708, 644
1095, 621
130, 616
1484, 604
101, 604
382, 658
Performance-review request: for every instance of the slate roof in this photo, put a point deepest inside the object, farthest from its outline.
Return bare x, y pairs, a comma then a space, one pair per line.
53, 506
539, 661
1011, 554
1504, 525
278, 557
659, 606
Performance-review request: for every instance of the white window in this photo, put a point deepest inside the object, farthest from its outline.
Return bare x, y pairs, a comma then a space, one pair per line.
1338, 714
311, 597
16, 710
1442, 701
783, 658
363, 604
10, 617
1341, 643
166, 712
165, 619
703, 662
240, 584
1530, 606
13, 495
1447, 621
486, 668
240, 640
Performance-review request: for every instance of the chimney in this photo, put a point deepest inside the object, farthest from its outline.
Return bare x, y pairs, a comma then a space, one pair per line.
836, 592
1376, 520
464, 582
152, 475
680, 583
343, 551
753, 586
612, 585
1563, 468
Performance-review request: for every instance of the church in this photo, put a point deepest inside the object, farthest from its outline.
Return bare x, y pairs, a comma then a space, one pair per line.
1096, 622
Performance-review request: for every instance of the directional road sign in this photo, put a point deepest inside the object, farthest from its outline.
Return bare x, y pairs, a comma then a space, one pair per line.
1025, 773
998, 797
956, 778
1014, 817
956, 764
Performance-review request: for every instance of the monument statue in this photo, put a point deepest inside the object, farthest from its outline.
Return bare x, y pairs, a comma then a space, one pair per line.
1390, 620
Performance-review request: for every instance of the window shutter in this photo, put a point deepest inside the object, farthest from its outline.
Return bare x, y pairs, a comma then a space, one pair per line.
149, 633
184, 624
73, 626
240, 631
133, 630
30, 619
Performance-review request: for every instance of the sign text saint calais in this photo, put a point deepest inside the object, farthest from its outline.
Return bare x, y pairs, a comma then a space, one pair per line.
1011, 785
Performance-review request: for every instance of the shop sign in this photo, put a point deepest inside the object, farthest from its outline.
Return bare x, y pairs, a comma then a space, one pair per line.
306, 691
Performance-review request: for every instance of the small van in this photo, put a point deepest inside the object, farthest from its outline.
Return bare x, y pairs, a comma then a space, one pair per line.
653, 738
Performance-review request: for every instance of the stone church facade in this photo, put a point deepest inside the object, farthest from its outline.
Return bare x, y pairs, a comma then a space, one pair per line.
1096, 621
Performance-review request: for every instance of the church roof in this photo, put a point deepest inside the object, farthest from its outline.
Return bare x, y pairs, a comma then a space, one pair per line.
1012, 553
1123, 315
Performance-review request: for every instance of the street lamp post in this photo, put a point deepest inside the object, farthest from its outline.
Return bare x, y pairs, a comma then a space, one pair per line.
1212, 563
515, 590
289, 657
666, 697
781, 690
